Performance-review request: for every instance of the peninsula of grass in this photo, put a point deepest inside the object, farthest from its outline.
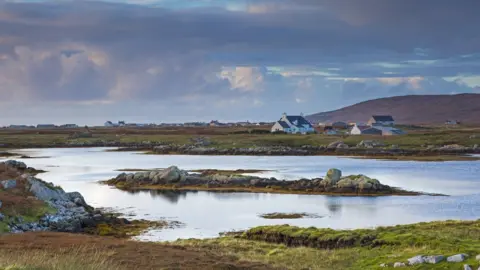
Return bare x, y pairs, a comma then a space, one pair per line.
289, 247
288, 215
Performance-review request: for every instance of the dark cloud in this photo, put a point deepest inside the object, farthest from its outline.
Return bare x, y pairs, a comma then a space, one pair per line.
93, 51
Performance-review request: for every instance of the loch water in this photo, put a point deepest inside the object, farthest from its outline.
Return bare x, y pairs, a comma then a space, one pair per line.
206, 214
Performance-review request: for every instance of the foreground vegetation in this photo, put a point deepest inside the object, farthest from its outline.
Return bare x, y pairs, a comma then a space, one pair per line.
60, 251
312, 248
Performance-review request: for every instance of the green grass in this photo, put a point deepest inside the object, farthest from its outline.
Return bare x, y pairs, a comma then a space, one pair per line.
228, 138
366, 249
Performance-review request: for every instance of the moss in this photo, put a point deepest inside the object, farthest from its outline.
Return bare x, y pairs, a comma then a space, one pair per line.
4, 226
35, 213
124, 230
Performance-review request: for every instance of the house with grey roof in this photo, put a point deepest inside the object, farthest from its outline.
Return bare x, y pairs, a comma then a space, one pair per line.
293, 124
364, 130
381, 120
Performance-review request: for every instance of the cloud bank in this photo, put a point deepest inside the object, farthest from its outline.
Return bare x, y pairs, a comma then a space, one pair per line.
185, 60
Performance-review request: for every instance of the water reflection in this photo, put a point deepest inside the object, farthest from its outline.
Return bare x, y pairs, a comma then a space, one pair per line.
171, 196
333, 205
80, 169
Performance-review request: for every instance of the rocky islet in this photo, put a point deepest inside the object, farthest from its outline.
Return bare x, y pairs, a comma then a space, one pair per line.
332, 183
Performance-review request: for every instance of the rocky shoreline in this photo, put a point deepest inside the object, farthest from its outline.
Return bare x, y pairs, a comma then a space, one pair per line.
339, 148
28, 204
333, 183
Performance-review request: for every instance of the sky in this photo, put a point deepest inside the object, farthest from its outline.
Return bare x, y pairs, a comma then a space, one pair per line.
147, 61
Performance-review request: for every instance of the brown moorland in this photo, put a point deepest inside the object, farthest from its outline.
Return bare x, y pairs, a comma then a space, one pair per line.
58, 250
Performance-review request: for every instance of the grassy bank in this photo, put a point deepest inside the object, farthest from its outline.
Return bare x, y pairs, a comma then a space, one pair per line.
236, 137
312, 248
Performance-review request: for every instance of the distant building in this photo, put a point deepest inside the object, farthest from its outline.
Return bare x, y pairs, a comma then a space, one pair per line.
339, 125
293, 124
328, 130
46, 126
109, 124
215, 123
19, 126
381, 120
390, 131
451, 122
69, 126
365, 130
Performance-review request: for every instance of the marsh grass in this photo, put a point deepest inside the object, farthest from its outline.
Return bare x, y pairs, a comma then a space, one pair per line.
392, 244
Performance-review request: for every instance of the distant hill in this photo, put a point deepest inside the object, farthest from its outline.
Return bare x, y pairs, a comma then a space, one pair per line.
413, 109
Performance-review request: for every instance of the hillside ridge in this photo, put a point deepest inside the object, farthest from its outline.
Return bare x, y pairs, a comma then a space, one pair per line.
410, 109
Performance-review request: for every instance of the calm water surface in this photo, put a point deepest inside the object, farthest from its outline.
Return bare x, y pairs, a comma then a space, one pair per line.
206, 213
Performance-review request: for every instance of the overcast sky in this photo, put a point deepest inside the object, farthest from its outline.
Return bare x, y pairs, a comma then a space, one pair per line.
144, 61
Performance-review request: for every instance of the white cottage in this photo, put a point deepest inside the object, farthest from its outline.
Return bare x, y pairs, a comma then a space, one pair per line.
293, 124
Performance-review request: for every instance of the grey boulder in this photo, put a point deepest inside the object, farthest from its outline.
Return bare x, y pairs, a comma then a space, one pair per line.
416, 260
8, 184
434, 259
398, 264
457, 258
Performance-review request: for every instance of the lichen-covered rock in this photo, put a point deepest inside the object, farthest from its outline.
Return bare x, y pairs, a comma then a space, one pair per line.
45, 192
398, 264
8, 184
457, 258
16, 164
171, 175
370, 144
333, 176
335, 144
76, 198
416, 260
347, 183
434, 259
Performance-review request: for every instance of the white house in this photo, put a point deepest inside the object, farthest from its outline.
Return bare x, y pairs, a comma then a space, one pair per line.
365, 130
293, 124
381, 120
451, 122
390, 131
110, 124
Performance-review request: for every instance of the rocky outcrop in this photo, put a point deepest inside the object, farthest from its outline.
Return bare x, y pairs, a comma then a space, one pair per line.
174, 178
64, 211
370, 144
